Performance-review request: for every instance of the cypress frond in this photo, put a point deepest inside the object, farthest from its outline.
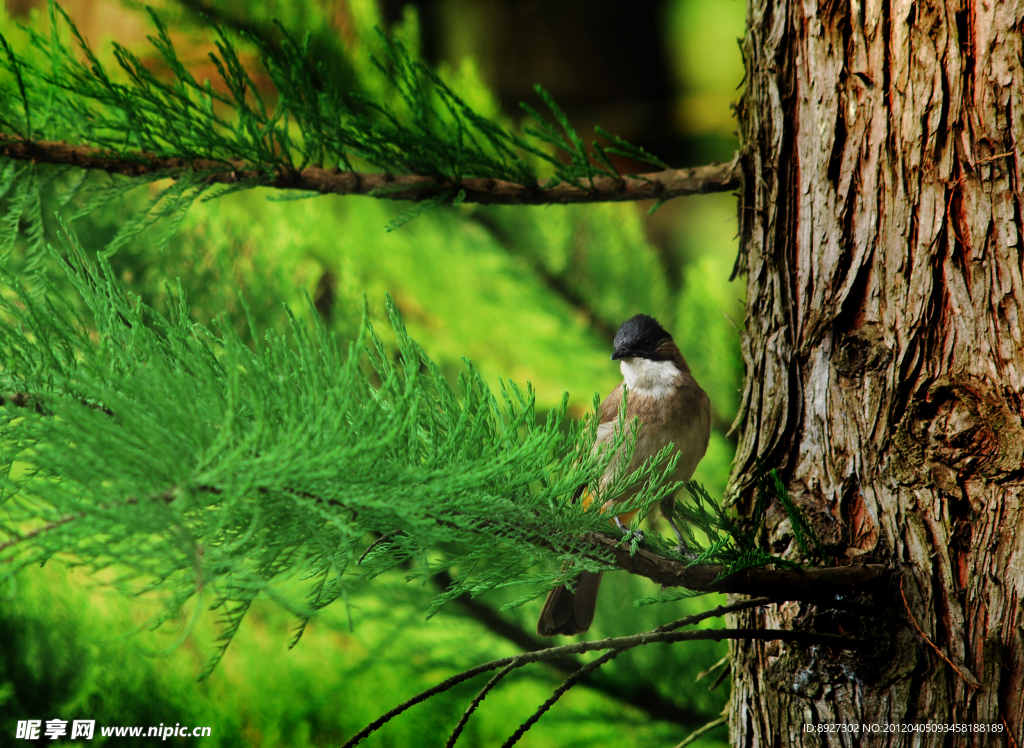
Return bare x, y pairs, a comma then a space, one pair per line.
186, 460
152, 128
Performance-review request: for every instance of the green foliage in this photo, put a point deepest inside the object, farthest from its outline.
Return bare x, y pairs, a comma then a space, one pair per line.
769, 481
726, 541
201, 466
460, 290
415, 123
514, 289
600, 253
70, 651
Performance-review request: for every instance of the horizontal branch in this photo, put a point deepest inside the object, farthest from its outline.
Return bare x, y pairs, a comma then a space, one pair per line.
661, 185
783, 584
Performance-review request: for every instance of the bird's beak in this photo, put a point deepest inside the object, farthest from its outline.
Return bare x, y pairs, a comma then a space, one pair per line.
619, 353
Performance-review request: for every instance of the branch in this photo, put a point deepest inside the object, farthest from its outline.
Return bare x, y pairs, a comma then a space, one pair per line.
38, 531
569, 682
642, 697
787, 584
817, 585
705, 729
661, 185
718, 612
476, 702
616, 643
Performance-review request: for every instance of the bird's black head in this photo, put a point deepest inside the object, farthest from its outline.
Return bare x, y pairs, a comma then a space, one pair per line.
641, 337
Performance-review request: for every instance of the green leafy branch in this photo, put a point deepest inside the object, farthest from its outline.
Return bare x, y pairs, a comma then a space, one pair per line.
429, 145
197, 465
193, 464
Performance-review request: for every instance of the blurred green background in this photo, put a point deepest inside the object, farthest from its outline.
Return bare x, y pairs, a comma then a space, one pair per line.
531, 294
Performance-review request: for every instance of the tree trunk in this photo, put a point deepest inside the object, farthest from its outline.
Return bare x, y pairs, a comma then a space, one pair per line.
880, 237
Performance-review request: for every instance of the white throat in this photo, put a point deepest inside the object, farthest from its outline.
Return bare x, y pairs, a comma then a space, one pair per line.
647, 378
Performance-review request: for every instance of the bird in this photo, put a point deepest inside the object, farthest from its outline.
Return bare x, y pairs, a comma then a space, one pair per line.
671, 408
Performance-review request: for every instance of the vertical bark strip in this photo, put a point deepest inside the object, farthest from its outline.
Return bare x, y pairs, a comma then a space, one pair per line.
883, 146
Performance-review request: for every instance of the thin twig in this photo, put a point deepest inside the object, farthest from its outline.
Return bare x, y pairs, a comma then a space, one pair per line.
697, 733
661, 185
721, 677
642, 696
621, 643
568, 683
996, 157
374, 544
477, 701
39, 531
967, 677
705, 673
718, 612
730, 320
166, 497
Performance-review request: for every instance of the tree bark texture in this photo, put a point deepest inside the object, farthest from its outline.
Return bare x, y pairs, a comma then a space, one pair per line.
881, 241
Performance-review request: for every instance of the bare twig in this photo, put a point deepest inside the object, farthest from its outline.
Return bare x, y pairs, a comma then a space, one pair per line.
568, 683
38, 531
996, 157
697, 733
965, 675
1009, 735
705, 673
721, 677
638, 695
621, 643
718, 612
424, 695
659, 185
374, 544
476, 702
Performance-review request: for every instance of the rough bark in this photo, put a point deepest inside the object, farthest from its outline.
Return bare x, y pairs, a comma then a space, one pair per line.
880, 238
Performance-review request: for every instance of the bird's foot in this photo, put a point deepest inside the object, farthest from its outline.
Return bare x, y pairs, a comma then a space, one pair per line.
635, 538
686, 551
682, 548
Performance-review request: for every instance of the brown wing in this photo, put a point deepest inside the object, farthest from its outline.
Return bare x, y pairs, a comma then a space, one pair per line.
608, 416
609, 410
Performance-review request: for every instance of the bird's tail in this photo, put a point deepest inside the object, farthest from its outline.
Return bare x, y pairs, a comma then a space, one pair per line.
568, 612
